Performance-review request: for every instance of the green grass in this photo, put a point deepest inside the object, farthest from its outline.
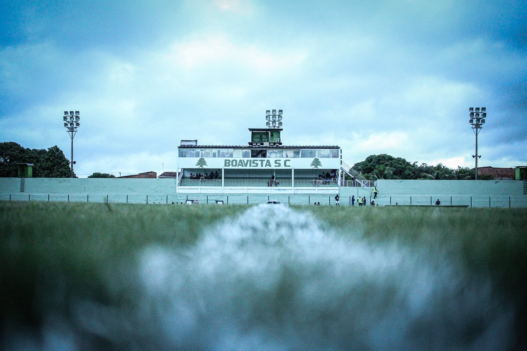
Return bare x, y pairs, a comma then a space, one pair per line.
52, 251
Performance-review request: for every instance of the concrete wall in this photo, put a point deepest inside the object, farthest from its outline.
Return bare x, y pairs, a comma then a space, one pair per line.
101, 186
503, 193
450, 187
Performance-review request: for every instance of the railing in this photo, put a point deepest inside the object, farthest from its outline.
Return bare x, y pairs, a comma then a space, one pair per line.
291, 199
258, 183
361, 183
360, 180
497, 201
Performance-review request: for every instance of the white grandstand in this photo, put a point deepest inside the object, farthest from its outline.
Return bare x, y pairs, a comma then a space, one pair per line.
263, 165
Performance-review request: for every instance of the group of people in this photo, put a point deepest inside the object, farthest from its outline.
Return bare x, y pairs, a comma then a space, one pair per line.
326, 178
361, 201
273, 181
211, 175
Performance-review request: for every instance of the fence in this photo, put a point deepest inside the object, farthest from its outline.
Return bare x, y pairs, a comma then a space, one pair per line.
296, 199
361, 183
174, 198
495, 201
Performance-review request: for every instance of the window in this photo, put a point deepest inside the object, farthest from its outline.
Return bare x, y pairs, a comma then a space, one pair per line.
275, 153
308, 153
323, 153
225, 152
188, 153
291, 153
239, 153
334, 153
258, 153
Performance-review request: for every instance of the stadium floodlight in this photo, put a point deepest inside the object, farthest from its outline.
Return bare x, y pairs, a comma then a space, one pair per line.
72, 123
274, 118
477, 120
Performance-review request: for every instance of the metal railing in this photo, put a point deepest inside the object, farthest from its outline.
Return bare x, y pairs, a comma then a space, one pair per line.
291, 199
360, 184
360, 180
480, 201
258, 183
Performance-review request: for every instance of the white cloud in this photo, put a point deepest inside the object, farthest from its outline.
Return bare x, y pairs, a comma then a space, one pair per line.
371, 85
218, 49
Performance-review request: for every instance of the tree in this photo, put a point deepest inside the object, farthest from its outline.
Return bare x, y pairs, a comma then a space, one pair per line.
46, 163
201, 162
388, 167
101, 175
316, 163
53, 164
385, 167
11, 154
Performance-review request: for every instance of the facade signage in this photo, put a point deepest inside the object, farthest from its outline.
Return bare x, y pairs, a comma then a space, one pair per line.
261, 163
257, 163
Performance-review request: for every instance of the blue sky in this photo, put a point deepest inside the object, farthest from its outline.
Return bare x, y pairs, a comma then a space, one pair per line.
374, 77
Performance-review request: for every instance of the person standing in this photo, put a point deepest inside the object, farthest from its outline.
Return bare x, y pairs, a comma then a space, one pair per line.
337, 198
353, 200
364, 201
359, 201
374, 192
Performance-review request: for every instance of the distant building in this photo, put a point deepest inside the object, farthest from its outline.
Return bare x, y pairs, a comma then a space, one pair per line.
497, 173
169, 175
521, 173
150, 174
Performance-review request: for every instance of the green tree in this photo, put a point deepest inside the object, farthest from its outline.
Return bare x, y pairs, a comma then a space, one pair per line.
53, 164
316, 163
11, 154
46, 163
201, 162
388, 167
101, 175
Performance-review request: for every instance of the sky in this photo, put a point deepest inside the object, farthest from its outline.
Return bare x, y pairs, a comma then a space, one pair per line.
390, 77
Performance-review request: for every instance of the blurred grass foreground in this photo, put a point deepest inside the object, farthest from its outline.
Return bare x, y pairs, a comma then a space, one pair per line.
268, 277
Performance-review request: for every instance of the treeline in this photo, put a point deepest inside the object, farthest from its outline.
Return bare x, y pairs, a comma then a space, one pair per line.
388, 167
50, 163
101, 175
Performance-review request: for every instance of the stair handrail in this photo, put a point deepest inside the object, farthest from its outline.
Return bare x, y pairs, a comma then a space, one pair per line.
359, 178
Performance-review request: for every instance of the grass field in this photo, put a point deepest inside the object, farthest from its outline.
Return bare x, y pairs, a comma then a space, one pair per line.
268, 277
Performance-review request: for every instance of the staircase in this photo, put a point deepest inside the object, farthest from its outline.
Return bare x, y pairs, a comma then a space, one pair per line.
22, 184
353, 173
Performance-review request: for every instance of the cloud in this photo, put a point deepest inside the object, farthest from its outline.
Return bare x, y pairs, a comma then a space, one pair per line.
386, 77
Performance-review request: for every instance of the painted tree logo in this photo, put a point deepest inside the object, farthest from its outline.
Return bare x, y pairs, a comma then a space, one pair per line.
316, 163
201, 162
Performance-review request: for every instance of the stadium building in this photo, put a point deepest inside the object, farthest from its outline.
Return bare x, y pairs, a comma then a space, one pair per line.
265, 164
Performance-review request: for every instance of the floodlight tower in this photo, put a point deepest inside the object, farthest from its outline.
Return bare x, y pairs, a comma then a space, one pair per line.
71, 123
274, 120
477, 120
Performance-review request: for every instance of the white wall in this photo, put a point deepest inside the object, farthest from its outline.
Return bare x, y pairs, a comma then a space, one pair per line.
450, 187
89, 186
